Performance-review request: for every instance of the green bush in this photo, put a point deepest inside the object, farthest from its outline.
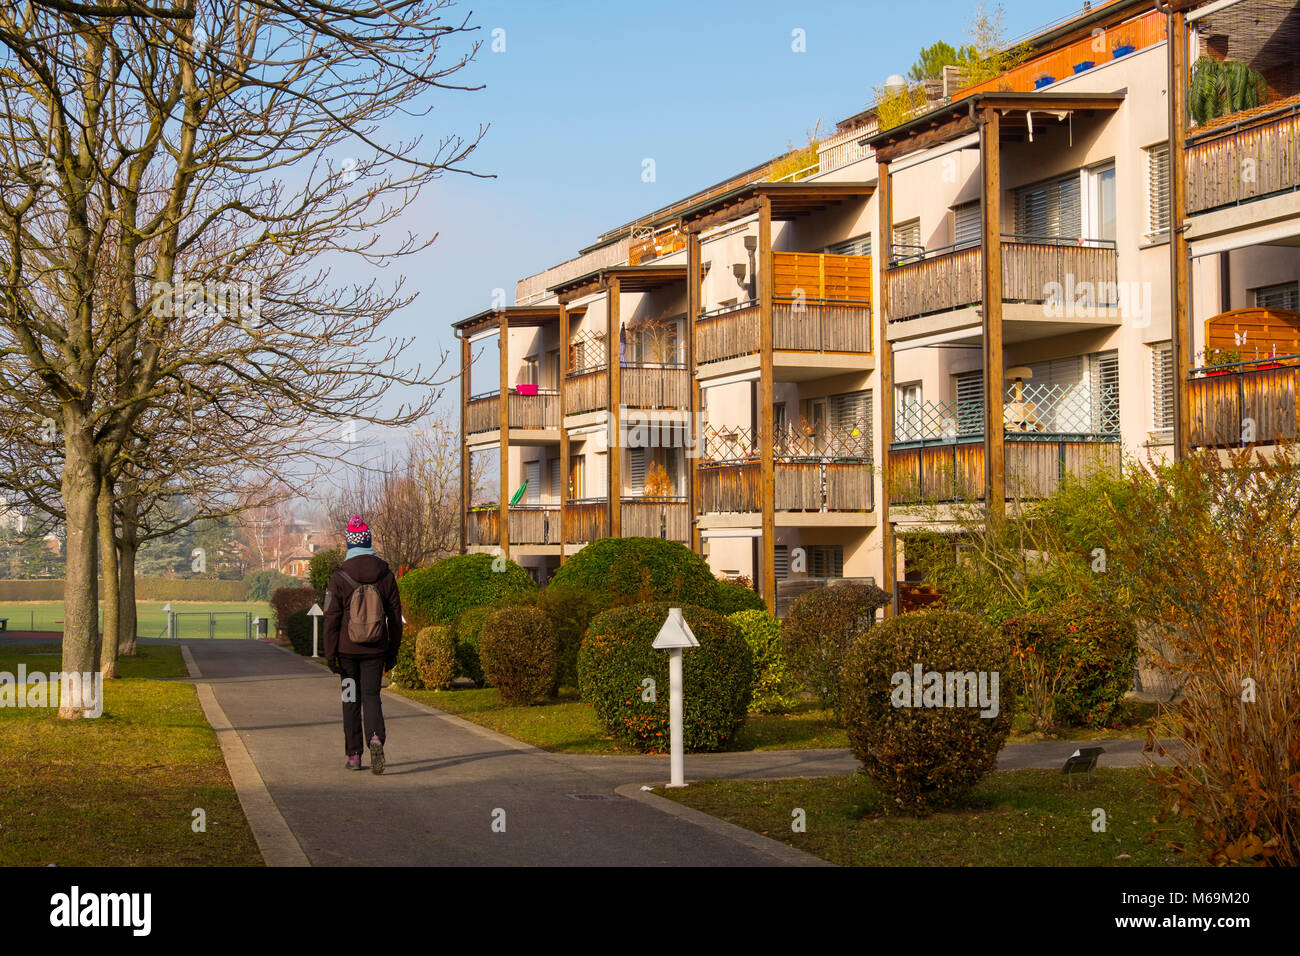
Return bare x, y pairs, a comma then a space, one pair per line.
619, 571
405, 672
819, 628
260, 585
291, 606
1102, 652
467, 626
616, 657
570, 611
773, 686
517, 648
437, 594
322, 566
729, 598
926, 757
435, 656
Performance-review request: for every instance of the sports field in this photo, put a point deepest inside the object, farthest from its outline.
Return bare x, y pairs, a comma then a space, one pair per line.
193, 618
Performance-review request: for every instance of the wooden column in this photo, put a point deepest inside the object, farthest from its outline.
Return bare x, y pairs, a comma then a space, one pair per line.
1180, 319
995, 478
693, 383
503, 506
766, 397
615, 397
465, 489
884, 242
564, 431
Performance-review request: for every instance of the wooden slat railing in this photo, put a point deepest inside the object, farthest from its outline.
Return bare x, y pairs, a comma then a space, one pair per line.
534, 524
586, 392
730, 488
483, 414
821, 327
533, 411
586, 520
950, 280
955, 471
655, 386
483, 526
1262, 395
669, 518
798, 486
1238, 162
726, 335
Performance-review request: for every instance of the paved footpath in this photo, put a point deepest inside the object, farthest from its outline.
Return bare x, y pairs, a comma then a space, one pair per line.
448, 780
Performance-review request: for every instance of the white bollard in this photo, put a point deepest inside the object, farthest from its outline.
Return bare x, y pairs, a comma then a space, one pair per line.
315, 614
674, 636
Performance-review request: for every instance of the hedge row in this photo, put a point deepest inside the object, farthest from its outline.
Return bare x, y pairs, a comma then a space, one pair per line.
146, 589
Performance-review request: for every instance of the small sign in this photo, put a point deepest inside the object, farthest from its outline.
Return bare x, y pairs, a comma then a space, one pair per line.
315, 611
675, 633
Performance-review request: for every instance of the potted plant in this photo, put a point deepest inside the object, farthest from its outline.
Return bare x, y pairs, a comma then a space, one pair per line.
1218, 357
1084, 66
1122, 50
1044, 81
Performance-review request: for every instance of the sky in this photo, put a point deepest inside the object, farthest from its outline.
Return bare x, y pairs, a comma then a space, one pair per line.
577, 95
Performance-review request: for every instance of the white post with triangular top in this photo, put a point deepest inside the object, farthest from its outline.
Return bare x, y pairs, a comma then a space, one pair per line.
171, 622
315, 614
675, 635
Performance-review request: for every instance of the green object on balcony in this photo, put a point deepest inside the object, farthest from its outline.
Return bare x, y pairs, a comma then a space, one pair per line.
515, 498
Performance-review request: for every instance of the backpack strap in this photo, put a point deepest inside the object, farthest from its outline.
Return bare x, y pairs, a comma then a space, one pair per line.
346, 577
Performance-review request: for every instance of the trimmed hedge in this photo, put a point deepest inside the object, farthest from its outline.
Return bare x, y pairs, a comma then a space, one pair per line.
730, 598
818, 630
773, 687
570, 611
437, 594
616, 658
621, 571
467, 626
929, 756
435, 656
405, 672
517, 647
146, 589
291, 606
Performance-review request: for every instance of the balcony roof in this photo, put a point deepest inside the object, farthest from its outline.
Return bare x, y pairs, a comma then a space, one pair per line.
517, 316
951, 122
630, 279
788, 200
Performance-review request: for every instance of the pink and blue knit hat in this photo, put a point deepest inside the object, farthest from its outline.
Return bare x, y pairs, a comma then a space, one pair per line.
358, 533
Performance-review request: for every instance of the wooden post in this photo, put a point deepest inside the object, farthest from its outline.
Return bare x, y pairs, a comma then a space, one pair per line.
885, 239
766, 397
693, 383
1179, 263
465, 489
564, 430
995, 478
615, 453
503, 506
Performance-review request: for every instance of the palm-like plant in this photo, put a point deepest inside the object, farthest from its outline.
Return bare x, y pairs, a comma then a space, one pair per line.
1220, 87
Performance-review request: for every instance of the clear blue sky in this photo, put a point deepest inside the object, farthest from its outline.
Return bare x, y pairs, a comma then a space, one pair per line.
586, 89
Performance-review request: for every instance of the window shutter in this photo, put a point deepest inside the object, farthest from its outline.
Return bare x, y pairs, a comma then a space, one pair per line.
849, 413
636, 460
1050, 209
533, 473
826, 561
1158, 189
860, 246
970, 403
1162, 387
1284, 296
966, 224
1103, 376
781, 558
555, 478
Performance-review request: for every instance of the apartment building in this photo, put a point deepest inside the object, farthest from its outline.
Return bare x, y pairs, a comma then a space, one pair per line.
788, 373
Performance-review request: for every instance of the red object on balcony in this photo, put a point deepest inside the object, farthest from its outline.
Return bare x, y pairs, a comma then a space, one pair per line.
1221, 372
526, 389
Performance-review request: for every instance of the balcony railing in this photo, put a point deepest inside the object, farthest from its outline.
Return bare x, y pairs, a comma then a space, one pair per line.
586, 519
528, 524
647, 517
586, 391
954, 471
1245, 403
1233, 163
540, 411
650, 385
726, 333
1034, 270
1033, 412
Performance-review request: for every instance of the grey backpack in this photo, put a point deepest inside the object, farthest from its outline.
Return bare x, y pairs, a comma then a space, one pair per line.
366, 615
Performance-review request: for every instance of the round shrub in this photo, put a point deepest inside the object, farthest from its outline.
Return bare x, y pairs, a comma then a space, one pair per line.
1101, 652
922, 753
730, 597
435, 656
620, 571
436, 594
570, 611
467, 626
322, 567
819, 628
773, 686
517, 648
405, 673
616, 657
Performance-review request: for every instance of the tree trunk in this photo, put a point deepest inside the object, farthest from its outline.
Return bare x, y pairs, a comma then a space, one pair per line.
80, 486
109, 569
127, 506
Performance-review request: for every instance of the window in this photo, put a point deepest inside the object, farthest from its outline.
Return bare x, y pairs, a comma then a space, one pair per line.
1283, 296
533, 478
577, 485
637, 462
1101, 202
1158, 189
552, 369
1162, 387
826, 561
966, 226
554, 490
970, 402
1103, 375
908, 412
578, 356
781, 558
850, 421
1049, 209
907, 241
859, 246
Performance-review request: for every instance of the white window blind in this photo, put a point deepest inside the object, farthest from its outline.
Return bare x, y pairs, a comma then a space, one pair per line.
1162, 387
826, 561
637, 462
966, 224
1283, 296
1050, 209
859, 246
1158, 189
533, 474
781, 558
554, 490
850, 413
907, 240
970, 403
1103, 376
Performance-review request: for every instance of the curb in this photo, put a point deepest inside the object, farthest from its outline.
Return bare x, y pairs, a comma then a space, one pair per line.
275, 841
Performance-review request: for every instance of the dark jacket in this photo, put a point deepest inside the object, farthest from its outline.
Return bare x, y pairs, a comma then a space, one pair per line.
364, 569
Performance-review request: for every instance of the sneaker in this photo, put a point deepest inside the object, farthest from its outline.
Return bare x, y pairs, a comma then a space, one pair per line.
376, 754
354, 761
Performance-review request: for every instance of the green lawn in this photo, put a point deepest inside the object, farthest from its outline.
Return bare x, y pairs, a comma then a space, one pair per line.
152, 621
1014, 818
117, 790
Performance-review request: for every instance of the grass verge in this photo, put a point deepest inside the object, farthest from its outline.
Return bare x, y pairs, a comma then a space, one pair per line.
120, 789
1013, 818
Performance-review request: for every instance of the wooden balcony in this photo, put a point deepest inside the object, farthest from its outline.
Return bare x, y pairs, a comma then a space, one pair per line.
529, 524
1224, 403
535, 412
655, 386
727, 333
483, 525
799, 486
668, 518
954, 471
1265, 142
1033, 270
586, 519
586, 391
